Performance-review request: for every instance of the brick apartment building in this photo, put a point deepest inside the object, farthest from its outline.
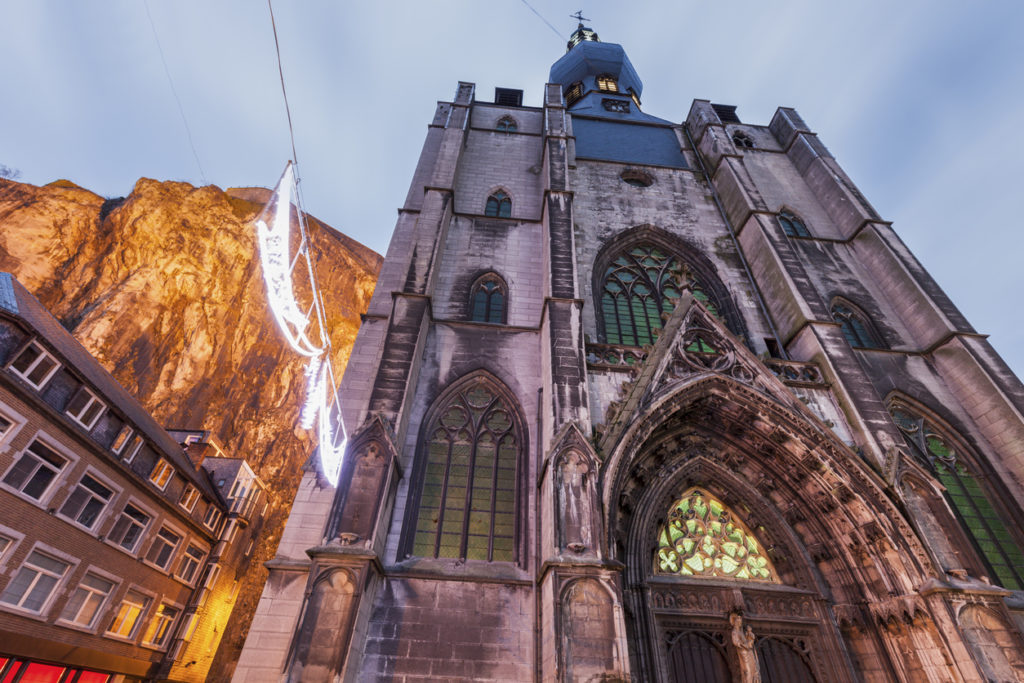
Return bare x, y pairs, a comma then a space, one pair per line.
121, 543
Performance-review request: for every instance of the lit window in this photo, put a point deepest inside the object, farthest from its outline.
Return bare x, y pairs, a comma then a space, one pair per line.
209, 583
35, 583
87, 502
574, 93
86, 602
487, 299
189, 497
84, 408
190, 627
466, 506
132, 449
855, 327
121, 440
607, 83
703, 538
507, 125
129, 528
741, 139
191, 560
160, 625
35, 365
161, 474
126, 620
993, 536
162, 550
35, 470
499, 205
792, 225
212, 517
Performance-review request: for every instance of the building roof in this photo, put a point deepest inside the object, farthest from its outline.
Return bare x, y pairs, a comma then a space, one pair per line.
20, 303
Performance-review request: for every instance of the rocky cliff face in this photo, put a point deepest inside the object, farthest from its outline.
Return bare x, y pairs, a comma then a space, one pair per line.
164, 288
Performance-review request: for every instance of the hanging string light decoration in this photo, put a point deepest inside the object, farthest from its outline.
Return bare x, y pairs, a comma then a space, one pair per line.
304, 329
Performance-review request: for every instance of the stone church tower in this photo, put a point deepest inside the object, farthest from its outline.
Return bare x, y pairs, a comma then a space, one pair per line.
648, 401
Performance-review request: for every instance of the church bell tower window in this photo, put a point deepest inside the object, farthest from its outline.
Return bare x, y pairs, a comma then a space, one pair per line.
487, 299
607, 83
499, 205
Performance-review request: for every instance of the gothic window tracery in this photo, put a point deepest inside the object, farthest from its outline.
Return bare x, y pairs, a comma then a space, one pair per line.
855, 326
792, 225
507, 125
499, 205
638, 287
467, 496
487, 299
703, 538
967, 496
741, 139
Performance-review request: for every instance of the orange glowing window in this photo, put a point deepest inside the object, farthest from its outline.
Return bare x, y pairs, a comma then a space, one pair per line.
41, 673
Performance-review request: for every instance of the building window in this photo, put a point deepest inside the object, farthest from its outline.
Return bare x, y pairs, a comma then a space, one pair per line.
703, 538
209, 583
87, 601
467, 502
507, 125
35, 583
741, 139
191, 560
161, 474
638, 287
35, 365
87, 502
966, 493
129, 528
5, 427
487, 299
499, 205
607, 83
121, 440
133, 449
574, 93
855, 326
792, 225
84, 408
189, 497
128, 615
162, 550
637, 178
35, 470
160, 625
212, 517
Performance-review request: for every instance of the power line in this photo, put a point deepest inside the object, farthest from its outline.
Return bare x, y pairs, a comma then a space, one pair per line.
280, 71
181, 110
557, 32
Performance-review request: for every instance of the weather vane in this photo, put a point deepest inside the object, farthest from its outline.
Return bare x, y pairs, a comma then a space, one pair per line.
579, 17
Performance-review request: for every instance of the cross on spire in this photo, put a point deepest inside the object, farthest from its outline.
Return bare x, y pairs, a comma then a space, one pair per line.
579, 17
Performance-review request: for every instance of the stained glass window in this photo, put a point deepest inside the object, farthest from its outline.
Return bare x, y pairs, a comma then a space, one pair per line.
854, 326
467, 501
499, 205
703, 538
638, 288
986, 527
792, 225
487, 300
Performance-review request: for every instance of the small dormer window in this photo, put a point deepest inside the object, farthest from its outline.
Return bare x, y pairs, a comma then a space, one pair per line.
574, 93
84, 408
507, 125
607, 83
35, 365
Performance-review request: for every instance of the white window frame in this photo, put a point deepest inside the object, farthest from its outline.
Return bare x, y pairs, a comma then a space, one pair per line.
93, 400
209, 581
134, 552
216, 513
191, 627
140, 619
71, 459
124, 436
57, 589
15, 537
103, 608
115, 492
17, 421
162, 467
189, 497
43, 353
174, 549
200, 561
133, 448
168, 631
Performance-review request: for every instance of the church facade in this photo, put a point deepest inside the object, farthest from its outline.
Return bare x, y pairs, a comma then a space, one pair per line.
638, 400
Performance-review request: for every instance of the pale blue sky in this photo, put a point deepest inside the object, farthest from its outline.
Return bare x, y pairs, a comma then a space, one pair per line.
920, 101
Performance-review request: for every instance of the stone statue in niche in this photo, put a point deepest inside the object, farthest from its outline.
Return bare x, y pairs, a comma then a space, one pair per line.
742, 640
361, 501
574, 481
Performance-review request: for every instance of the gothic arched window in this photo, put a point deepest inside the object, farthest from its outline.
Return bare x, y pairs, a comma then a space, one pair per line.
507, 125
638, 287
466, 507
855, 326
742, 140
607, 83
792, 225
487, 299
499, 205
967, 495
703, 538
